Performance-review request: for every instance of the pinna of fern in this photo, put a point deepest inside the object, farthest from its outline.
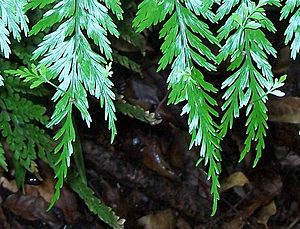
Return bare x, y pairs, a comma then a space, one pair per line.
68, 56
252, 79
20, 121
184, 50
292, 32
12, 21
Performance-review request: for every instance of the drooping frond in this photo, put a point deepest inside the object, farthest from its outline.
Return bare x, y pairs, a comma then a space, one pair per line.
252, 77
66, 54
292, 32
12, 21
184, 50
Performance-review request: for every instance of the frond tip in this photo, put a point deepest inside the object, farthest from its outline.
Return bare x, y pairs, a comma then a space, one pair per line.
95, 205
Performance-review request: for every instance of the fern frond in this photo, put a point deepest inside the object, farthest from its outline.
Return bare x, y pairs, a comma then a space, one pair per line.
126, 62
66, 135
67, 55
3, 163
12, 21
128, 33
136, 112
184, 50
252, 78
18, 124
105, 213
292, 32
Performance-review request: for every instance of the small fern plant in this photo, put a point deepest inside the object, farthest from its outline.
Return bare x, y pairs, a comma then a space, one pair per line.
75, 58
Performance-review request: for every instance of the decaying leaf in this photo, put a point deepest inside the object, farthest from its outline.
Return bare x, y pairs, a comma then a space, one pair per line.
266, 212
235, 223
32, 208
10, 185
245, 211
286, 109
237, 179
67, 202
160, 220
154, 160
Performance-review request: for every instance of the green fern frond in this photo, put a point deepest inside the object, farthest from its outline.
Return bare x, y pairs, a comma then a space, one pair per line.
136, 112
126, 62
12, 21
252, 79
19, 119
105, 213
38, 4
115, 7
184, 50
67, 55
66, 136
292, 32
127, 33
3, 163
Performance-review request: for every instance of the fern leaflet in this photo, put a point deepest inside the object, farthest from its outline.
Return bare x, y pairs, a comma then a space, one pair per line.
12, 21
292, 32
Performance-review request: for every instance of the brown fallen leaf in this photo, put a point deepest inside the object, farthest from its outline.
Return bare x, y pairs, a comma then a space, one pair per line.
147, 149
255, 204
154, 160
67, 201
10, 185
265, 213
235, 223
246, 210
286, 109
161, 220
237, 179
32, 208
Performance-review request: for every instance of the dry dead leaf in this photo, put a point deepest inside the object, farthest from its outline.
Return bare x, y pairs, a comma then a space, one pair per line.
237, 179
160, 220
254, 204
67, 201
265, 213
10, 185
32, 208
286, 109
245, 211
235, 223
